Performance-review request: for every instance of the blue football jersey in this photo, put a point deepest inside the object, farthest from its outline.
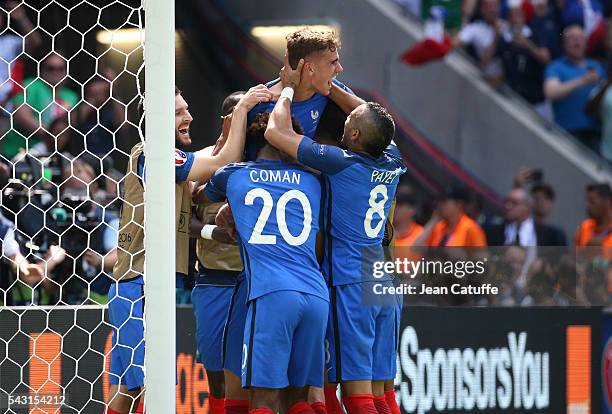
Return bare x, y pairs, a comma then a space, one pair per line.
307, 113
359, 191
276, 208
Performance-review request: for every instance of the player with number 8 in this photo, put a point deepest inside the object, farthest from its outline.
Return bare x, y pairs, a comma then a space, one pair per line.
360, 181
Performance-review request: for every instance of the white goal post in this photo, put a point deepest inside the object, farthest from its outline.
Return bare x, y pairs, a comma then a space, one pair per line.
160, 308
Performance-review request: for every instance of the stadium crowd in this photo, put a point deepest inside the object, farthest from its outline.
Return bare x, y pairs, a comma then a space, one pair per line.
553, 53
45, 122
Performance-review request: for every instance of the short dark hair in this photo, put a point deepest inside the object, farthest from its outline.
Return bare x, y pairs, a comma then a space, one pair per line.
381, 130
456, 193
255, 139
403, 198
601, 189
230, 102
545, 189
305, 41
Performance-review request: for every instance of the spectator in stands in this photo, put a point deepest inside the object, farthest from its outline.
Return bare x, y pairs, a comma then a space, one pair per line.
11, 46
543, 198
555, 281
545, 28
520, 228
450, 225
41, 99
596, 230
544, 201
453, 10
568, 289
60, 136
588, 15
524, 59
406, 229
540, 285
506, 274
475, 209
600, 105
593, 242
482, 36
569, 81
99, 116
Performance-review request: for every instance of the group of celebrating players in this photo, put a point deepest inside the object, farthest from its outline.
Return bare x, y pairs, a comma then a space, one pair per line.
300, 187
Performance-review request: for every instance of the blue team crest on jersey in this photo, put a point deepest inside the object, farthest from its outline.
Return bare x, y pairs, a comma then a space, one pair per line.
314, 114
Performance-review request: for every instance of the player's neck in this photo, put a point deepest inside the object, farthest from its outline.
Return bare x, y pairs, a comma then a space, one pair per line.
303, 93
269, 154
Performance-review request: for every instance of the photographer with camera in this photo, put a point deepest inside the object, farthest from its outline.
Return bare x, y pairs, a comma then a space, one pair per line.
88, 234
22, 282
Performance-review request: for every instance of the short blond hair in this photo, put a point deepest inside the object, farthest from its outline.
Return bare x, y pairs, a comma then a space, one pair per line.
304, 42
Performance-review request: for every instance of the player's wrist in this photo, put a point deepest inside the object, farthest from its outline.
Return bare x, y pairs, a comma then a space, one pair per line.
288, 92
240, 107
207, 231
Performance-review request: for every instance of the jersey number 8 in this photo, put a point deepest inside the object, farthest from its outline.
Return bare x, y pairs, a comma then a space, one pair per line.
268, 203
376, 207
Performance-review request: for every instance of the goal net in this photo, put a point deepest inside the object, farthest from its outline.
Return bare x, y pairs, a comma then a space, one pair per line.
71, 80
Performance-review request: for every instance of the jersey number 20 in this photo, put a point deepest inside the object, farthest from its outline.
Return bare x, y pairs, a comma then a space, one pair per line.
268, 203
378, 208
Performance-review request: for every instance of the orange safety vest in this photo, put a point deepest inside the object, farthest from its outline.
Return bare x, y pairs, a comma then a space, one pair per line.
466, 233
409, 236
403, 243
584, 233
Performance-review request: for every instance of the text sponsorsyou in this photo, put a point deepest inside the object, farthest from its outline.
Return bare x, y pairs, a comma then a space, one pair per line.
509, 377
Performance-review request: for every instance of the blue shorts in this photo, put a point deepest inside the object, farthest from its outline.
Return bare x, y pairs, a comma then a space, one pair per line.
125, 310
283, 340
234, 328
361, 340
210, 306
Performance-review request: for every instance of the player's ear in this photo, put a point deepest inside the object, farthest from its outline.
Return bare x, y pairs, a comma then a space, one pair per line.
308, 67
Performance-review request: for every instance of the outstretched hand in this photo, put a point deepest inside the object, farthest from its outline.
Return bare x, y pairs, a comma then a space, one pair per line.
255, 95
289, 76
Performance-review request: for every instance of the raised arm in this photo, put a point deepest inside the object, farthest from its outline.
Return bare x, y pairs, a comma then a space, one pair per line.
280, 133
32, 38
344, 99
205, 164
